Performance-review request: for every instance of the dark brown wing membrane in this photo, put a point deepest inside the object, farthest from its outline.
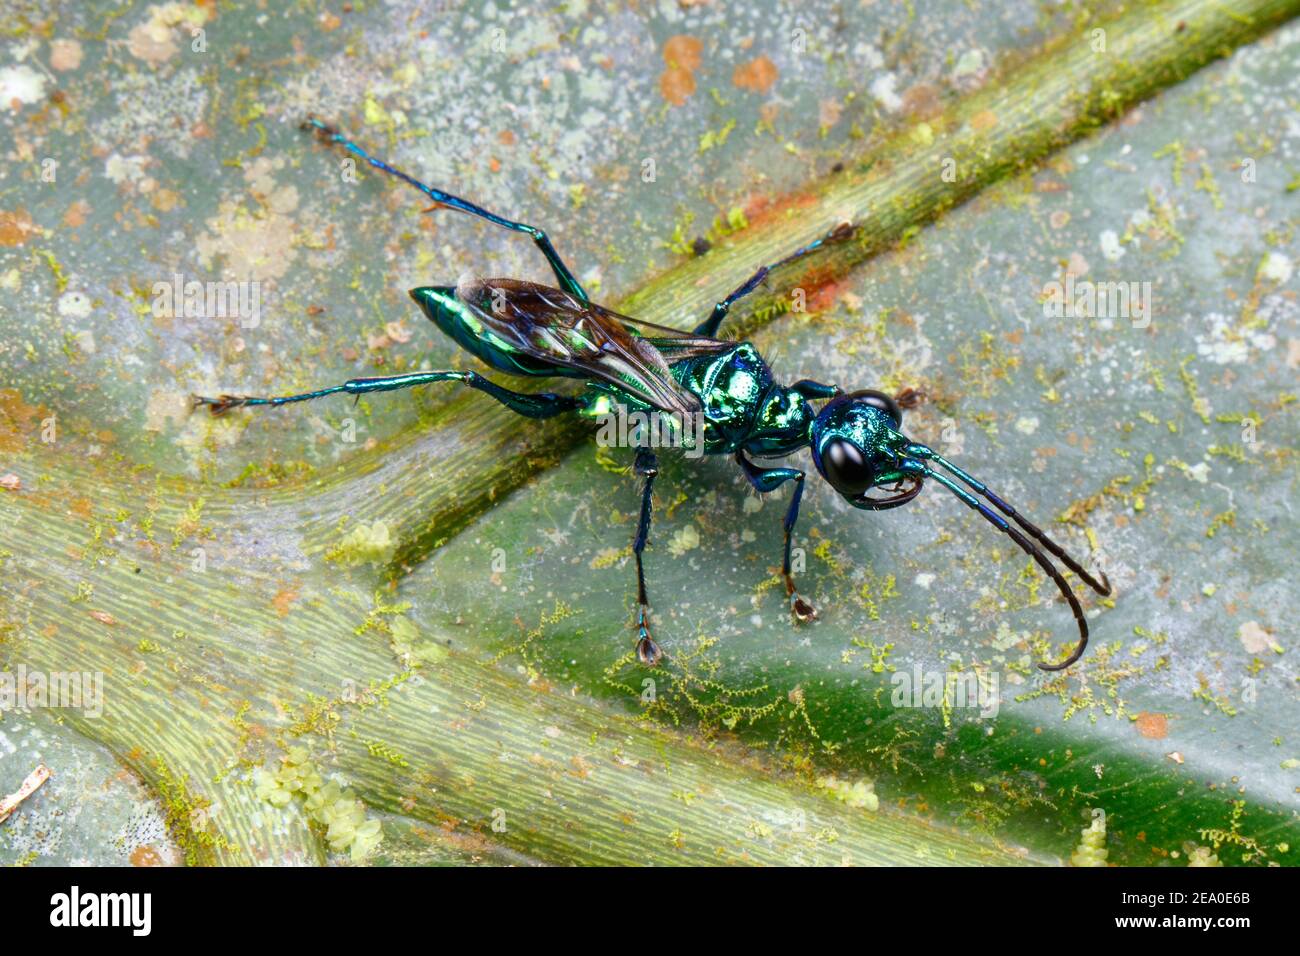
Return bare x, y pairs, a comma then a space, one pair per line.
552, 326
674, 344
682, 346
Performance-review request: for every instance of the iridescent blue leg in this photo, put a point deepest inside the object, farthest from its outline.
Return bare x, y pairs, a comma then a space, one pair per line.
540, 405
647, 467
709, 327
567, 282
769, 479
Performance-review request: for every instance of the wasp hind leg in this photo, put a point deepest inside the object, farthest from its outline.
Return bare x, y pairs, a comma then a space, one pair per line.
537, 405
769, 479
568, 283
647, 467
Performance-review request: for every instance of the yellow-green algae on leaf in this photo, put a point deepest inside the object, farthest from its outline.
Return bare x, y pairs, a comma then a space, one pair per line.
327, 804
1250, 847
1091, 850
372, 543
1202, 856
187, 816
860, 795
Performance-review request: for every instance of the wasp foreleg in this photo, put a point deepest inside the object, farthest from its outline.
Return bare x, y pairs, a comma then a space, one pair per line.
710, 325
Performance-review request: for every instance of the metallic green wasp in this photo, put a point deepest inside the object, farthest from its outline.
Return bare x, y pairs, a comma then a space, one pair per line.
529, 330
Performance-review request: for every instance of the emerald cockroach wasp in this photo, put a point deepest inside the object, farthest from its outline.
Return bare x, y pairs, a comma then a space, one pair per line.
530, 330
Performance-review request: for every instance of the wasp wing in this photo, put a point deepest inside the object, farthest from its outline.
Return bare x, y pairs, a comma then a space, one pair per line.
676, 348
673, 344
552, 326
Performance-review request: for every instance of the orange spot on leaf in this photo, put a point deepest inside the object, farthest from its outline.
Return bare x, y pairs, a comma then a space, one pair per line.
757, 76
677, 85
682, 56
283, 600
683, 51
145, 856
76, 214
1153, 726
15, 227
19, 421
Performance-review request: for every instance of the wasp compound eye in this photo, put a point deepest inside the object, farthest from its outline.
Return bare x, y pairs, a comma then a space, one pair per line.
880, 400
847, 469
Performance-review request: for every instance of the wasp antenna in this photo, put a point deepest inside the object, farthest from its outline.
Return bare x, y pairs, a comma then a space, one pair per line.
1027, 546
1102, 587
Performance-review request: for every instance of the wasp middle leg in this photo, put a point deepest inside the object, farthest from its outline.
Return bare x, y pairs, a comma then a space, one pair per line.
647, 467
769, 479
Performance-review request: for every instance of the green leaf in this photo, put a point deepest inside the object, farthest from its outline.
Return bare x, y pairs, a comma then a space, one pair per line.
357, 588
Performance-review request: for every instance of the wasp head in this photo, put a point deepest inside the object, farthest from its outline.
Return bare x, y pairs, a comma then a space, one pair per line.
857, 446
